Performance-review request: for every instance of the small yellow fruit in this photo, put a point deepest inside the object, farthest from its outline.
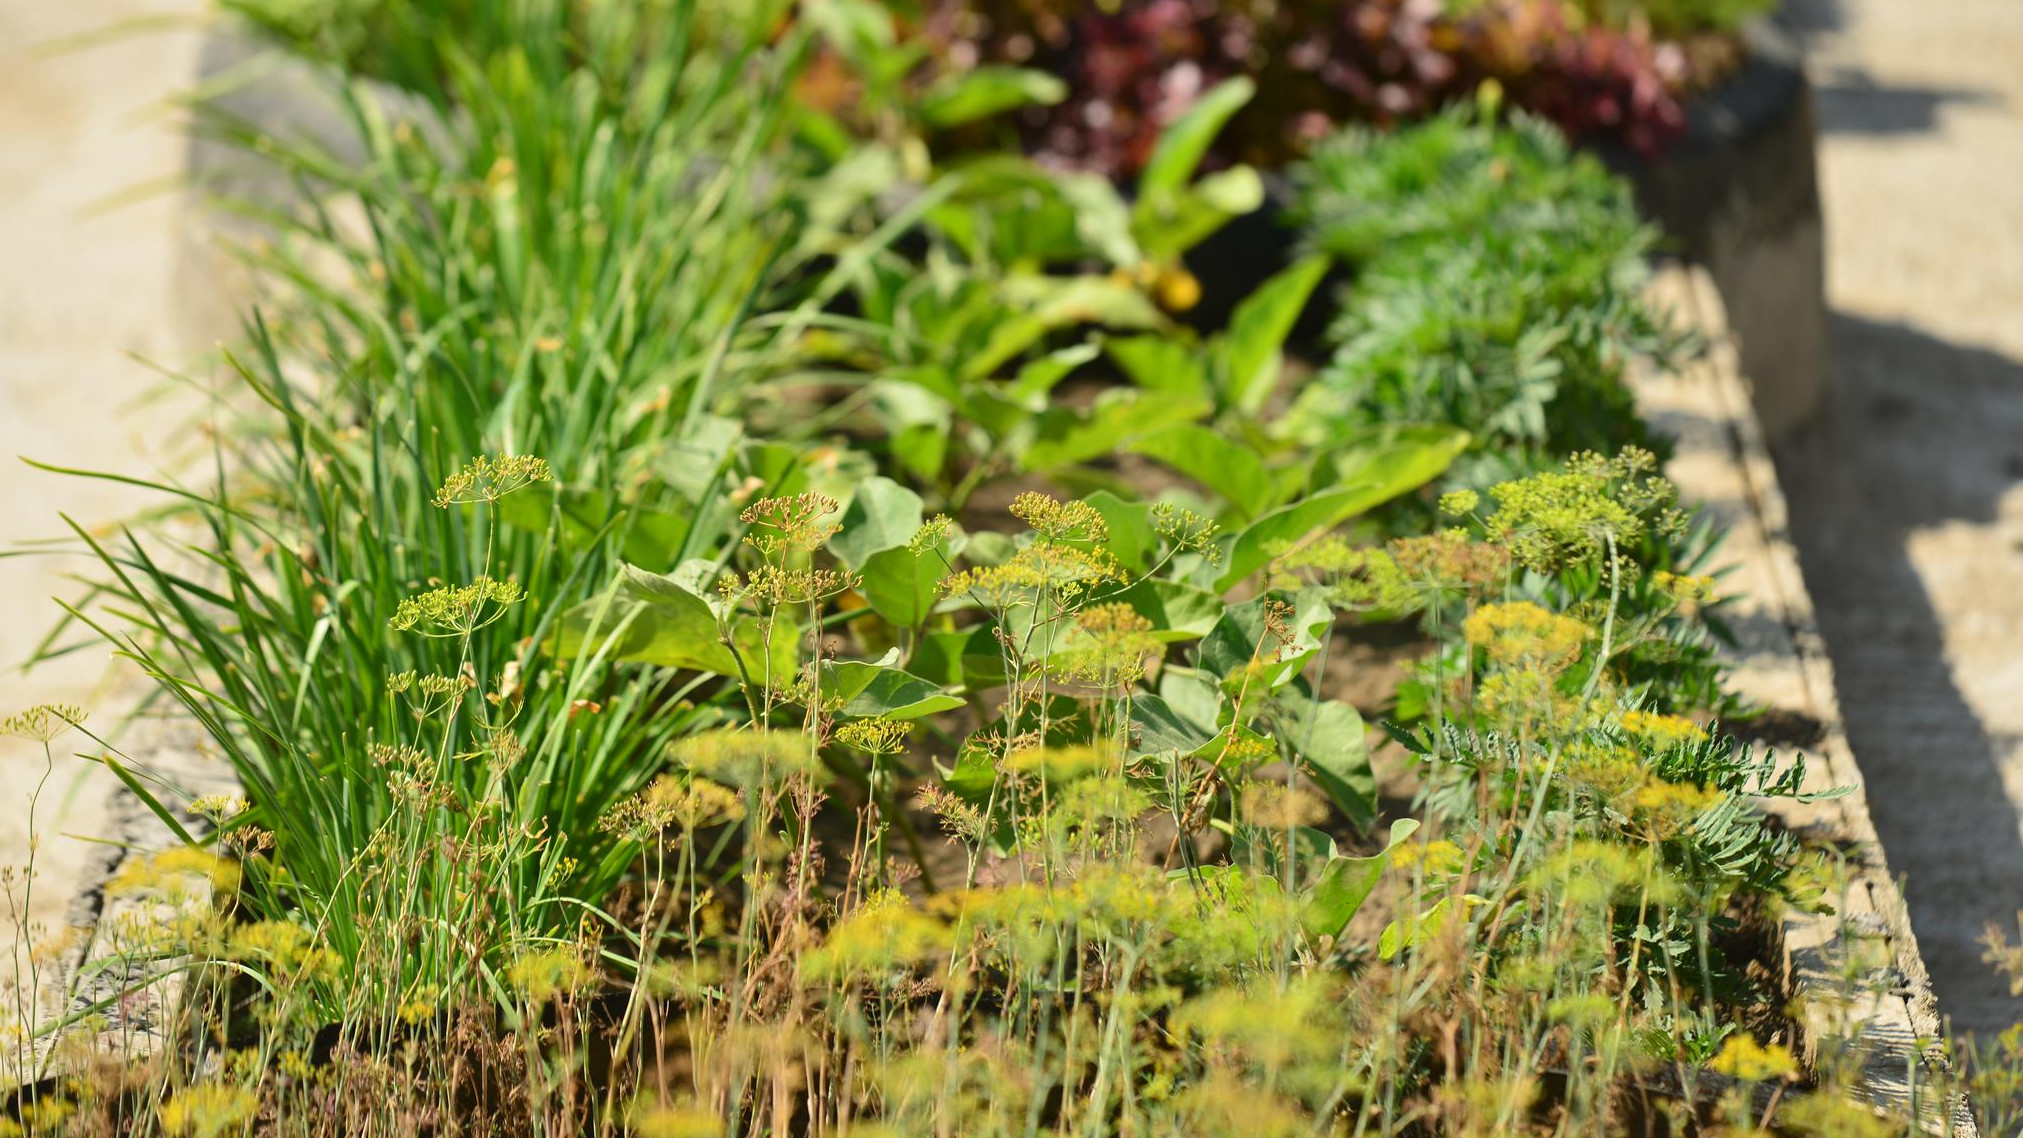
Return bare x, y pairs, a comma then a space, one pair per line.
1178, 290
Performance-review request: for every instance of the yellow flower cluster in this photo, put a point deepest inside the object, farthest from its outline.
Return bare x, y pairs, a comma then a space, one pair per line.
1521, 633
1663, 731
170, 870
209, 1110
546, 973
288, 948
1745, 1059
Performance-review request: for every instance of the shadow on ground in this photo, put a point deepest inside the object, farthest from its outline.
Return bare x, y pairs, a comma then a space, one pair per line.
1850, 101
1919, 433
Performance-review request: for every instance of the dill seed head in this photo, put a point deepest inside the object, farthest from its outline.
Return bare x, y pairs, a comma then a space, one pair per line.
43, 722
930, 534
1188, 531
485, 479
880, 736
789, 524
1521, 633
455, 610
219, 808
1569, 516
1056, 520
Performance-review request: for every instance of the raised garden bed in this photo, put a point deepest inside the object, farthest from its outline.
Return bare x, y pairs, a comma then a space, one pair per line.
668, 764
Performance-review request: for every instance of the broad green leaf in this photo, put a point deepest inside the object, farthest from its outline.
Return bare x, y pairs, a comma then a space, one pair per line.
985, 91
1156, 729
1039, 377
1252, 351
1182, 146
917, 422
1331, 902
1225, 465
1409, 932
1066, 437
1242, 635
969, 659
1177, 611
653, 537
858, 29
1330, 743
1160, 363
1253, 548
869, 690
694, 457
1192, 695
1132, 540
1410, 453
1236, 749
654, 618
1102, 219
902, 585
882, 515
1197, 211
1059, 302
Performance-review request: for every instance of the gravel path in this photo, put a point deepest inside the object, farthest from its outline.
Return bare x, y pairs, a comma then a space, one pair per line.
1905, 498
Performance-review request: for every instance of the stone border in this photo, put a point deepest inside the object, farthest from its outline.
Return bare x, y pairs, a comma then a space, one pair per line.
1862, 987
1739, 195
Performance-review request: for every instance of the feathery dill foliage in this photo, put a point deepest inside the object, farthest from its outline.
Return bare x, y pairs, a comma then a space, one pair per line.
1498, 288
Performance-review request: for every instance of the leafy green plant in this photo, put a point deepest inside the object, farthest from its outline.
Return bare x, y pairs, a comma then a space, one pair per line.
1499, 289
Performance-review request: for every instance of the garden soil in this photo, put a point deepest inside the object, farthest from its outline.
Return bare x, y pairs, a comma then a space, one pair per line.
1906, 497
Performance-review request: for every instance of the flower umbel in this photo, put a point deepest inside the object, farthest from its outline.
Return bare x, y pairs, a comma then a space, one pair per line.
489, 479
456, 610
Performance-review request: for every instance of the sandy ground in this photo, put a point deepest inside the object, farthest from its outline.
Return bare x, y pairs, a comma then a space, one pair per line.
1907, 498
79, 288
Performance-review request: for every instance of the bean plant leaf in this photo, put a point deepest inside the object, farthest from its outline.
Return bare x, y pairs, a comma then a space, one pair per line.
1397, 468
1241, 636
1178, 611
1225, 465
881, 690
1199, 210
656, 618
1332, 901
881, 515
1182, 146
1102, 219
1156, 729
1334, 752
985, 91
1067, 438
1160, 363
1038, 378
1414, 453
1251, 353
696, 455
579, 517
1132, 539
902, 585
